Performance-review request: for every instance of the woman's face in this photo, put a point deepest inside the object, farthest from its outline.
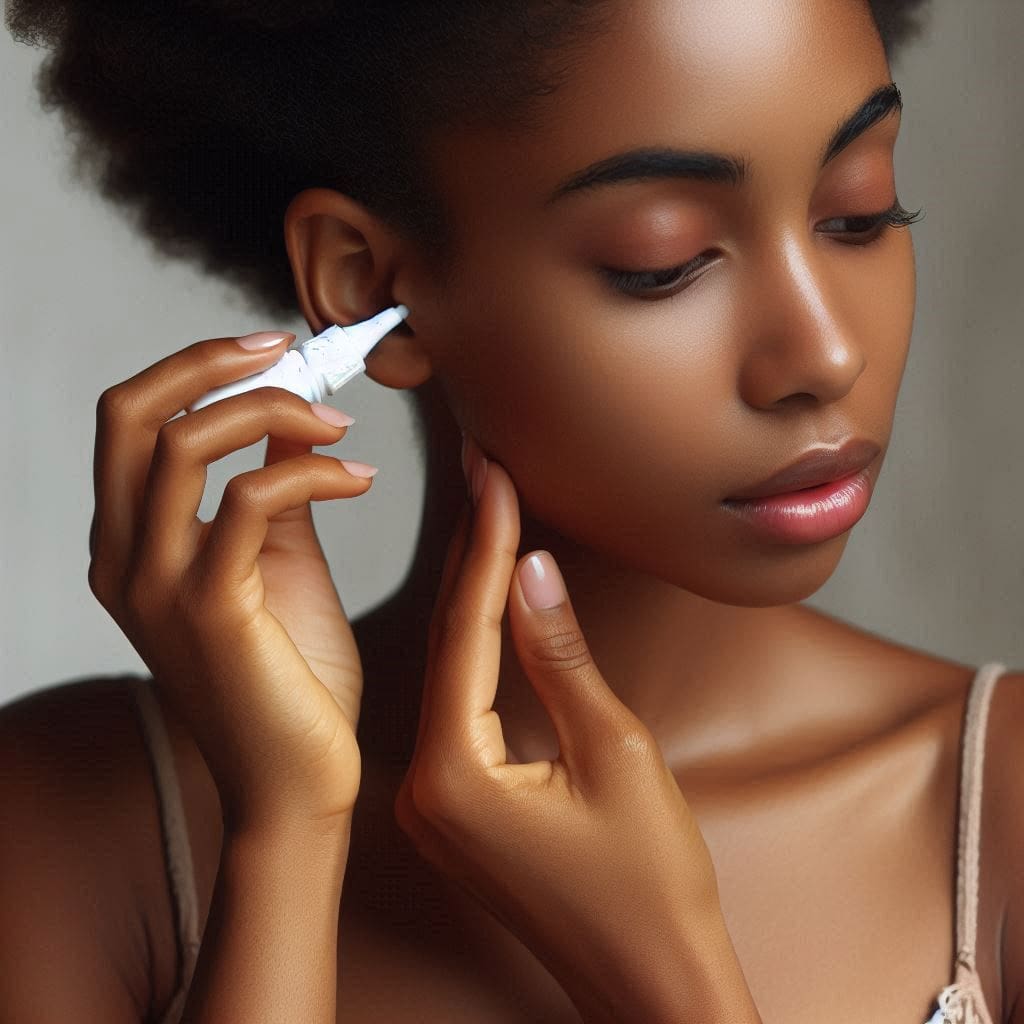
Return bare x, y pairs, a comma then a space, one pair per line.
626, 413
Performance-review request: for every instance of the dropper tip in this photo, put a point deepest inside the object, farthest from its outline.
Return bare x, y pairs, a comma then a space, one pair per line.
402, 311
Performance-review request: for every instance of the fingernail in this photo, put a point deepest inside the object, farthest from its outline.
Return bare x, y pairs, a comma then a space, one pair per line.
358, 468
261, 340
541, 582
335, 417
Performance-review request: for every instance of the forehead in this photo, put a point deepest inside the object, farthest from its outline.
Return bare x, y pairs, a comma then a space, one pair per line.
768, 78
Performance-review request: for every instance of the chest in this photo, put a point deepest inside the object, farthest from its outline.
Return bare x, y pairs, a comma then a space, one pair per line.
837, 890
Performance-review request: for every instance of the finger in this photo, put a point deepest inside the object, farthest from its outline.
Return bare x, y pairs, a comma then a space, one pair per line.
589, 719
170, 528
462, 678
454, 556
452, 565
238, 530
278, 449
128, 418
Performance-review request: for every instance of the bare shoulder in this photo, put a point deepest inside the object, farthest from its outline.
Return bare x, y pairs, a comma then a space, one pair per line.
80, 815
1000, 911
916, 686
1002, 836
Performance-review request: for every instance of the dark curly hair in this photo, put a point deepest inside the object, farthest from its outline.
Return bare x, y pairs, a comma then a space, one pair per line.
205, 117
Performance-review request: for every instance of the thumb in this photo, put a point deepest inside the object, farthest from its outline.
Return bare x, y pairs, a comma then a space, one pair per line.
589, 719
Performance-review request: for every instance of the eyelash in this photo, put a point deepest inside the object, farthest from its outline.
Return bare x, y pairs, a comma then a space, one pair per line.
632, 281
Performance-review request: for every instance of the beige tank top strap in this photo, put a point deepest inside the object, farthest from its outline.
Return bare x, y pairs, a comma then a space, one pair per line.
972, 761
176, 842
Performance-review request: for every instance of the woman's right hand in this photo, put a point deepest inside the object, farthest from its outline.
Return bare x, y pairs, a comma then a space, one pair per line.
278, 739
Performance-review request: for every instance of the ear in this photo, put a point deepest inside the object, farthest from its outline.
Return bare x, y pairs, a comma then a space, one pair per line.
344, 260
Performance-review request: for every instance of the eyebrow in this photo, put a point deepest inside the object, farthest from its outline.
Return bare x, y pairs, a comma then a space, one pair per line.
649, 163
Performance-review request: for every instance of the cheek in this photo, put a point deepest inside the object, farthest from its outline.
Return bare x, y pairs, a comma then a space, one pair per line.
594, 403
891, 306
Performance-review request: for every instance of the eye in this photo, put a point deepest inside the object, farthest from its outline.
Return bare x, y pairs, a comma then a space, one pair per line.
870, 227
657, 283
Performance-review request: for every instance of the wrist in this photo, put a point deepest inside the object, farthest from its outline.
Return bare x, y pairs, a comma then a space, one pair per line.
285, 840
689, 978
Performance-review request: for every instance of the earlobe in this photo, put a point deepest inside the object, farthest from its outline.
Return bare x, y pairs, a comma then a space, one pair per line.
343, 261
399, 360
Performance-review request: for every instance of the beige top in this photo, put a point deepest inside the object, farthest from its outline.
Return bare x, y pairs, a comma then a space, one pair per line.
960, 1002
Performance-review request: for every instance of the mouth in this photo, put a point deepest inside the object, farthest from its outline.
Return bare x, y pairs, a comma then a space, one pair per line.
814, 468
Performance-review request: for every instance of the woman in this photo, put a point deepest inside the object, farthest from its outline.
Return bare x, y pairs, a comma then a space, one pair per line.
652, 254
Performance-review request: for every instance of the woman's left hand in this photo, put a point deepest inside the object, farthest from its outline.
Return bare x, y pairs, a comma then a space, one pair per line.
593, 860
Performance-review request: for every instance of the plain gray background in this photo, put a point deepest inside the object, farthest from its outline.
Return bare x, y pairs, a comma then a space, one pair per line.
937, 562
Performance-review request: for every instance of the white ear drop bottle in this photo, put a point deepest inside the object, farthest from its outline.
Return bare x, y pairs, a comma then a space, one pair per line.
319, 366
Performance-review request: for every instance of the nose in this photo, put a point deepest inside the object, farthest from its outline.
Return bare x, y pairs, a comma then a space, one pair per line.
802, 345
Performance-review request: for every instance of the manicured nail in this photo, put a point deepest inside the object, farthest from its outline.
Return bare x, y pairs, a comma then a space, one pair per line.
541, 582
262, 340
358, 468
335, 417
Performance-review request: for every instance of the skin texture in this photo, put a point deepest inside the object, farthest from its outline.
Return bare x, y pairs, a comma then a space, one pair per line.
621, 423
177, 586
624, 422
520, 837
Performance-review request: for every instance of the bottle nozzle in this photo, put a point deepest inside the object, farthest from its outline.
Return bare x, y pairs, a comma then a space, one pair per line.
337, 353
366, 334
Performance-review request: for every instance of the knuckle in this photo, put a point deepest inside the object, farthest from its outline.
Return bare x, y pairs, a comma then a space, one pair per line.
99, 582
116, 403
244, 492
173, 440
637, 747
561, 650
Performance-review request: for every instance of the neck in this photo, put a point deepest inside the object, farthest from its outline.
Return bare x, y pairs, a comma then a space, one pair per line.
682, 663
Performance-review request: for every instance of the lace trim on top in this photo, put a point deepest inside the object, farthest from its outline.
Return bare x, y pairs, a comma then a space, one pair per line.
963, 1001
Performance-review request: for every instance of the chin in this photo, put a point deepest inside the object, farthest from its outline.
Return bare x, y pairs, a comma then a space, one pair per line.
762, 577
726, 566
747, 576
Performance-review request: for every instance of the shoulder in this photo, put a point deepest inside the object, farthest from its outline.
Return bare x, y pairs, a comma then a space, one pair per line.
940, 690
80, 829
1002, 835
67, 747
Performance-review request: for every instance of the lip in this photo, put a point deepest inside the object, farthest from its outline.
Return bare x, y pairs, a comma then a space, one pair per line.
810, 516
813, 468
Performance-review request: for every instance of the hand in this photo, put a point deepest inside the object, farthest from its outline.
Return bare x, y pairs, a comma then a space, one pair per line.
594, 860
237, 618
